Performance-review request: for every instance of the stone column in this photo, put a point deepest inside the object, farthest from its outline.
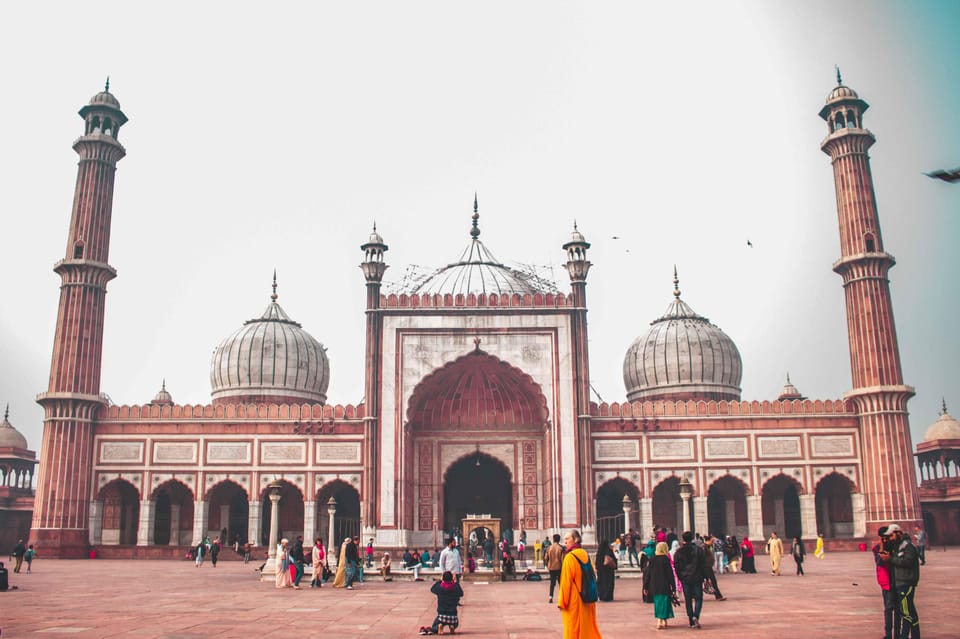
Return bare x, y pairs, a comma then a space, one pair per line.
859, 514
254, 517
174, 524
808, 516
646, 518
755, 519
95, 522
199, 521
627, 507
700, 520
224, 523
148, 509
332, 551
779, 519
309, 522
685, 501
269, 567
729, 519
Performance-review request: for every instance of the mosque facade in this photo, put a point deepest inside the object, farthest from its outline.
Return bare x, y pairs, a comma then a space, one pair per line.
477, 402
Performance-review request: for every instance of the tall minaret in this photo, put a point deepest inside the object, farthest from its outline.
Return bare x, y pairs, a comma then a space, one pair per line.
889, 482
373, 267
577, 268
64, 485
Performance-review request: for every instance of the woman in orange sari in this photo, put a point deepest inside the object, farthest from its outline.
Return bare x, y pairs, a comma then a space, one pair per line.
579, 618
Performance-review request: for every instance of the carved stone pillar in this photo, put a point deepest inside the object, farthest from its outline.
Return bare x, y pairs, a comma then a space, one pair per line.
309, 521
808, 516
859, 514
95, 522
199, 521
755, 519
685, 501
254, 517
174, 525
700, 521
148, 509
646, 518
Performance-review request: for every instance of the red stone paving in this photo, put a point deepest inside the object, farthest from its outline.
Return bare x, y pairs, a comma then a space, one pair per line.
173, 600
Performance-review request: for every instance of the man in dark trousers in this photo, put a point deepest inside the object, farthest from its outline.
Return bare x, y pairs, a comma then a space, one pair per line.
353, 558
298, 558
18, 552
906, 575
691, 565
553, 560
891, 616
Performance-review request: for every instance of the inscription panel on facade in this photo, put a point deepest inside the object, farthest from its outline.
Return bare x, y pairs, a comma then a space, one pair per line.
340, 452
725, 448
174, 453
778, 446
671, 449
831, 445
283, 453
117, 452
616, 450
228, 452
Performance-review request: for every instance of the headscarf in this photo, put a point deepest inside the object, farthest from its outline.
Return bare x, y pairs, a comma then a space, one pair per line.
661, 548
673, 547
650, 549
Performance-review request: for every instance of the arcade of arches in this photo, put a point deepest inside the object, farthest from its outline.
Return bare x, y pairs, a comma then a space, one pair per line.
729, 509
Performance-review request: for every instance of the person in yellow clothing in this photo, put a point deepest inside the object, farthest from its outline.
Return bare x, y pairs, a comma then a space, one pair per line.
818, 553
537, 551
579, 618
775, 550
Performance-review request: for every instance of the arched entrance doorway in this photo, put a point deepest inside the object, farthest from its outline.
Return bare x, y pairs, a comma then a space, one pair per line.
462, 419
173, 515
780, 502
121, 513
291, 513
727, 508
610, 517
835, 506
667, 505
346, 519
477, 485
229, 508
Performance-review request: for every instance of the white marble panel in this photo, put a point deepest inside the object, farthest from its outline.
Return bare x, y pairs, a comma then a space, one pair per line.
283, 452
663, 449
175, 453
778, 446
228, 452
616, 450
338, 452
112, 452
725, 447
831, 445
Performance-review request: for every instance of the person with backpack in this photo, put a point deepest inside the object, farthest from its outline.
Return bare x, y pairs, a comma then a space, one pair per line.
691, 565
577, 599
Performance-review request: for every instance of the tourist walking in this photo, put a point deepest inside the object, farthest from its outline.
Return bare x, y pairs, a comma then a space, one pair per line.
691, 566
660, 585
201, 550
340, 580
318, 559
29, 556
17, 555
891, 616
247, 548
906, 575
297, 559
921, 537
606, 563
282, 574
798, 553
353, 559
632, 548
579, 617
775, 550
733, 553
554, 562
448, 593
711, 545
370, 553
818, 552
749, 562
214, 551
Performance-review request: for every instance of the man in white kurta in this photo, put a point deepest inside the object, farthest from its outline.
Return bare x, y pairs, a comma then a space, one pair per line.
450, 559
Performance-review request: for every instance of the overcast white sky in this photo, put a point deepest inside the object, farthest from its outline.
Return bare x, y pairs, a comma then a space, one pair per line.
272, 135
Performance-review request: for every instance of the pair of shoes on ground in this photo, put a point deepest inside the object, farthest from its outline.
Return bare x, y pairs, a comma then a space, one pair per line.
550, 600
349, 587
694, 623
721, 598
426, 630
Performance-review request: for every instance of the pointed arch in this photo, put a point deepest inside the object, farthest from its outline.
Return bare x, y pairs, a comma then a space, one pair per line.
834, 504
173, 513
477, 483
121, 512
291, 508
727, 506
780, 506
611, 522
346, 518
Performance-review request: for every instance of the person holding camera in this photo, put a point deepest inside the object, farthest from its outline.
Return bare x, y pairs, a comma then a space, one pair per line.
885, 581
905, 567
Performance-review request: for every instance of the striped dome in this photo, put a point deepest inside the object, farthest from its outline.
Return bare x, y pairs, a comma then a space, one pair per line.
270, 359
682, 356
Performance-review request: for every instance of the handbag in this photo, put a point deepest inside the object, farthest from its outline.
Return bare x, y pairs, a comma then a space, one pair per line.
609, 562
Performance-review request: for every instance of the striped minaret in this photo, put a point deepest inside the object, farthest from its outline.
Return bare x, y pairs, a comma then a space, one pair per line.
888, 480
64, 484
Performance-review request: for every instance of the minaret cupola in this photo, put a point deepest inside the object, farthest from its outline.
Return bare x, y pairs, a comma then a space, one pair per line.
577, 263
103, 115
373, 266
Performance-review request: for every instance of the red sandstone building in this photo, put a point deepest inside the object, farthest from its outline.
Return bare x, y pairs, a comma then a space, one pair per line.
477, 401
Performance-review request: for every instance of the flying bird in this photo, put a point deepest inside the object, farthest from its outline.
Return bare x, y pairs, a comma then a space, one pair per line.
952, 175
749, 243
615, 237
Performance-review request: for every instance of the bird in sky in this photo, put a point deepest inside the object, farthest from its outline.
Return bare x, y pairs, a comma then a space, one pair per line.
615, 237
953, 175
749, 243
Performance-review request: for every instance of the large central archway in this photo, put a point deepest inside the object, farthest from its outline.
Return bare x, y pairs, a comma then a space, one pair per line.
477, 485
485, 405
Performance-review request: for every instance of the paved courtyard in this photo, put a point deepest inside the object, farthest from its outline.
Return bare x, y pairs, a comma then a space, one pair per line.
173, 599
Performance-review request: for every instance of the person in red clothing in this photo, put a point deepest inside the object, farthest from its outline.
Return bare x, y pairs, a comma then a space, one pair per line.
891, 616
749, 564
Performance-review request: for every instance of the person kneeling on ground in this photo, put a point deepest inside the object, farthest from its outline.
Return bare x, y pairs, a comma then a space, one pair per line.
532, 575
448, 593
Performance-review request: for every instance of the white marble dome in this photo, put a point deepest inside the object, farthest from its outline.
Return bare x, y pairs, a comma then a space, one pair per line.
10, 436
682, 356
944, 428
270, 359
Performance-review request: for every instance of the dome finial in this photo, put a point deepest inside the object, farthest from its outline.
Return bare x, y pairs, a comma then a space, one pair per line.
6, 413
839, 79
274, 295
106, 86
943, 403
475, 231
163, 384
788, 378
374, 226
676, 283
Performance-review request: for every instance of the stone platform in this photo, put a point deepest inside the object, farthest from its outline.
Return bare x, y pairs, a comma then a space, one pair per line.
174, 600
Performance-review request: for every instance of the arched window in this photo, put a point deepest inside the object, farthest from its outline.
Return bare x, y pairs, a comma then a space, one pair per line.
870, 244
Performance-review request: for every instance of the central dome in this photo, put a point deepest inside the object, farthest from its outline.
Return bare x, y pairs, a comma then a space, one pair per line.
682, 356
478, 271
270, 359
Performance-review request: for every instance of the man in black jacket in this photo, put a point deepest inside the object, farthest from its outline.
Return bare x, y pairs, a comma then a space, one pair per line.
906, 575
352, 558
691, 565
298, 558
